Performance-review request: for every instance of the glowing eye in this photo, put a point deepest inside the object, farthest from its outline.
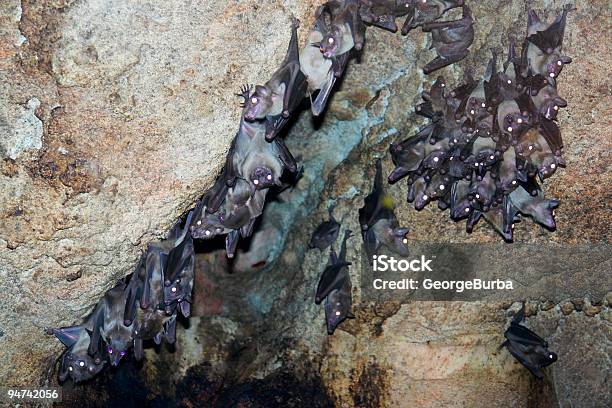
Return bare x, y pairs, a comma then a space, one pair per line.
477, 196
455, 140
509, 82
173, 289
70, 368
207, 232
556, 107
82, 363
530, 147
122, 353
442, 187
337, 313
443, 85
425, 197
269, 177
559, 63
256, 182
491, 157
405, 241
484, 105
519, 120
552, 75
472, 111
199, 222
467, 209
509, 128
253, 100
552, 166
513, 182
330, 40
436, 159
110, 350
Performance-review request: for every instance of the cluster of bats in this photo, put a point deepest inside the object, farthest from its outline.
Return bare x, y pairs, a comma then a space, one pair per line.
500, 109
141, 307
489, 141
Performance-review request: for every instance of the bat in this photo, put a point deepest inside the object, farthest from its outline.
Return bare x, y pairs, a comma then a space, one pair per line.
326, 233
383, 13
278, 98
335, 287
422, 12
76, 363
537, 207
451, 40
109, 324
379, 225
541, 53
344, 29
527, 347
335, 271
178, 283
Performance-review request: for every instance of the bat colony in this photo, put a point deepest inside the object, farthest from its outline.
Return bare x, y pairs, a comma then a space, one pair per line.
480, 157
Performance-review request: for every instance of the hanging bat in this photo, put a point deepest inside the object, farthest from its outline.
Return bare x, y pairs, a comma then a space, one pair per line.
252, 158
178, 284
278, 98
422, 12
536, 207
344, 29
451, 40
109, 324
383, 13
335, 271
326, 233
527, 347
321, 72
335, 287
379, 225
541, 54
146, 322
76, 362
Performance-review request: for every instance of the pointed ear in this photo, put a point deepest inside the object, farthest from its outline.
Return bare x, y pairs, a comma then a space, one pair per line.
68, 335
553, 204
565, 59
185, 308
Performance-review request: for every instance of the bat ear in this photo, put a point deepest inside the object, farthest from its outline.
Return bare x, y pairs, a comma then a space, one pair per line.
68, 335
400, 232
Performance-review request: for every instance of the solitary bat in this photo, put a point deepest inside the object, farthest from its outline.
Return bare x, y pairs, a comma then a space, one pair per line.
344, 31
335, 287
451, 39
278, 98
326, 233
379, 225
527, 347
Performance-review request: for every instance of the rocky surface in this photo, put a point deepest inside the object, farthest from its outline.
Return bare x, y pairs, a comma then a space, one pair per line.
87, 212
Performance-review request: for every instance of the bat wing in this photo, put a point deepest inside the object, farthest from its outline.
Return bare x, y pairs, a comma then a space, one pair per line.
134, 294
97, 320
522, 335
285, 156
331, 279
551, 133
68, 335
524, 356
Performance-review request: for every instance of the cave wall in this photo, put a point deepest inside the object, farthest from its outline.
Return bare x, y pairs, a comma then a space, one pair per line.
118, 122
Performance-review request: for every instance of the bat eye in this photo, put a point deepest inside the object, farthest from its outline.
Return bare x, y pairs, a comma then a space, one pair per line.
256, 182
122, 353
405, 240
81, 363
207, 232
484, 105
425, 197
519, 120
269, 177
173, 289
472, 111
254, 100
199, 222
552, 75
337, 313
70, 368
109, 350
559, 63
330, 40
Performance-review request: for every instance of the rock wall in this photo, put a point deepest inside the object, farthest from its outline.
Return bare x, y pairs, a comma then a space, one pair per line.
88, 199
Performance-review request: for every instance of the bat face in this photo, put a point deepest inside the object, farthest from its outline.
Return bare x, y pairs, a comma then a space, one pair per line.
79, 367
118, 346
262, 177
207, 227
259, 104
338, 307
330, 44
